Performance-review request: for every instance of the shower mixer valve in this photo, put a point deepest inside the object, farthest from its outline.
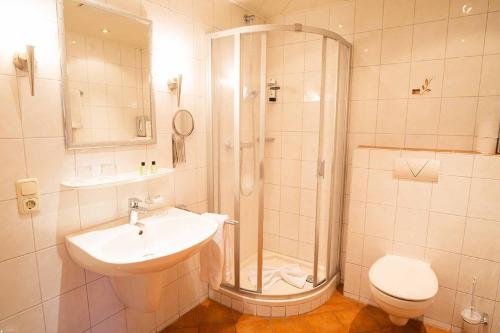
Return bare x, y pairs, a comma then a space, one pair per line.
273, 88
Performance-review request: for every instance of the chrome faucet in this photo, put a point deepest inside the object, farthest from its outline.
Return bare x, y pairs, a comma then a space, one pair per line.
134, 208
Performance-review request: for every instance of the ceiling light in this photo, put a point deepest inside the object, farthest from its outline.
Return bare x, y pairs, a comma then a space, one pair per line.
104, 31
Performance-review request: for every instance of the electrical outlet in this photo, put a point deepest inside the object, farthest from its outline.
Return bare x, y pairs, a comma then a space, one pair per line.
27, 195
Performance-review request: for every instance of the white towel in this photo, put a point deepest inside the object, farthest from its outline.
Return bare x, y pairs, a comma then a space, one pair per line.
291, 274
214, 256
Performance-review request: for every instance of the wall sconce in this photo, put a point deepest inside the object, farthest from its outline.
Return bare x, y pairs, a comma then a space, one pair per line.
26, 63
176, 84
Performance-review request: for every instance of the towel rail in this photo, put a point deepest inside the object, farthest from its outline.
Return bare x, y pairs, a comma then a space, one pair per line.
233, 222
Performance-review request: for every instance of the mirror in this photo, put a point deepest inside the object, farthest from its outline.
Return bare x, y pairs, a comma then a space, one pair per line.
183, 123
106, 76
183, 126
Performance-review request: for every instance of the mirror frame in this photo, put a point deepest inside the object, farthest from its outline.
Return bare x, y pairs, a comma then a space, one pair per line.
68, 131
174, 128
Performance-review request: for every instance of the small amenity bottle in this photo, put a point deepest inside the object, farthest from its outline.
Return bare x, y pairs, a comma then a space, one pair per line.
154, 168
142, 169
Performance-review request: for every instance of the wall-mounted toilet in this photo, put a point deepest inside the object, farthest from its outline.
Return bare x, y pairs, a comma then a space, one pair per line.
402, 287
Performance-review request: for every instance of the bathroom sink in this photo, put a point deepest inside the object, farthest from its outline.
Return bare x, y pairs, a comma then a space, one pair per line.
135, 255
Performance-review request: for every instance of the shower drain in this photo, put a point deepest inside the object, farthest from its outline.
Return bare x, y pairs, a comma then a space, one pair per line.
309, 279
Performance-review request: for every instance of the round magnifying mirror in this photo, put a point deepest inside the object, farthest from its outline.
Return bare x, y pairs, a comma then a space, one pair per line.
183, 123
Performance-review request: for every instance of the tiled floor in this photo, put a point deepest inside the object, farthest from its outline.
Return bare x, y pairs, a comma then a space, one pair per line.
338, 315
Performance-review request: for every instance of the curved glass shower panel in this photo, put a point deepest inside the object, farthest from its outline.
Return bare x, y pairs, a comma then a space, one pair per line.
222, 197
250, 156
341, 68
279, 110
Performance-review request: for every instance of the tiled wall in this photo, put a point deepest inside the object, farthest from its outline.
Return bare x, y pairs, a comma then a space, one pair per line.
400, 43
108, 83
454, 224
41, 289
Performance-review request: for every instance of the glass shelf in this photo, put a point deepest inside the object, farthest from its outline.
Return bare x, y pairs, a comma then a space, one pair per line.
118, 179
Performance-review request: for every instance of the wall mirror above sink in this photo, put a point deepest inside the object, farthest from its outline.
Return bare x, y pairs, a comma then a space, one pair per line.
106, 76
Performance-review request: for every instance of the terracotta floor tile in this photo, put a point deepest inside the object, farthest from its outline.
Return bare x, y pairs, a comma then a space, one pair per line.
346, 317
180, 330
364, 322
339, 315
254, 326
217, 328
189, 319
241, 317
288, 325
213, 313
380, 316
325, 322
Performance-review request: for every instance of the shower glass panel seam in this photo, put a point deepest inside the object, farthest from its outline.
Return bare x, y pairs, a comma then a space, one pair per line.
331, 212
320, 161
262, 141
236, 152
209, 127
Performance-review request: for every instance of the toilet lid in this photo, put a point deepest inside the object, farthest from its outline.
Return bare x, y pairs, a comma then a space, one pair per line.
404, 278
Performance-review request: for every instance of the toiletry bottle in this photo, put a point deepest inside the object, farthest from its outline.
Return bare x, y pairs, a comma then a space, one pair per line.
142, 169
154, 168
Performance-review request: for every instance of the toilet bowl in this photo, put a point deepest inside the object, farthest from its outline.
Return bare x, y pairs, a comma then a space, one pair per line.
402, 287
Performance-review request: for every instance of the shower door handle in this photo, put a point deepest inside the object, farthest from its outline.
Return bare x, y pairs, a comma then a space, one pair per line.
321, 169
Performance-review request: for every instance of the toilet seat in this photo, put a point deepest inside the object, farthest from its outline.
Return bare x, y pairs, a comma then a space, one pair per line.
404, 278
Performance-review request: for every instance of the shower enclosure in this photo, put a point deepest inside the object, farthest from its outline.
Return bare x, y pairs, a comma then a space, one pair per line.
277, 136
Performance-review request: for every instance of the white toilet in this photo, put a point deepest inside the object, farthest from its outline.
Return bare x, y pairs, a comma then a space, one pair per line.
402, 287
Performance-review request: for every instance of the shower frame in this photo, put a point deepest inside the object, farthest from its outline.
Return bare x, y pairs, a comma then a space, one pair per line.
237, 33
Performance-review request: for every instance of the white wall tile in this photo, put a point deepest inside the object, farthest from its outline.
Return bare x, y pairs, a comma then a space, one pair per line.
50, 172
380, 220
489, 73
19, 287
466, 36
429, 40
113, 324
366, 48
396, 44
464, 7
16, 237
59, 216
429, 10
368, 15
411, 226
58, 273
492, 38
9, 108
457, 116
394, 80
67, 313
446, 232
450, 195
455, 70
486, 272
11, 150
446, 265
30, 320
382, 187
42, 113
481, 239
103, 301
482, 199
398, 13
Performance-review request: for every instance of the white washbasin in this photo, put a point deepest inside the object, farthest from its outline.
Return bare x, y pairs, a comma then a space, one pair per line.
135, 255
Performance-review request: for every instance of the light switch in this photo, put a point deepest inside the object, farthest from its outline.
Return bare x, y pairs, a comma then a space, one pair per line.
27, 195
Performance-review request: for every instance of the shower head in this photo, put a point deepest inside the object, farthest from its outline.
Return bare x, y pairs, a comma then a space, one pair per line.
249, 19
